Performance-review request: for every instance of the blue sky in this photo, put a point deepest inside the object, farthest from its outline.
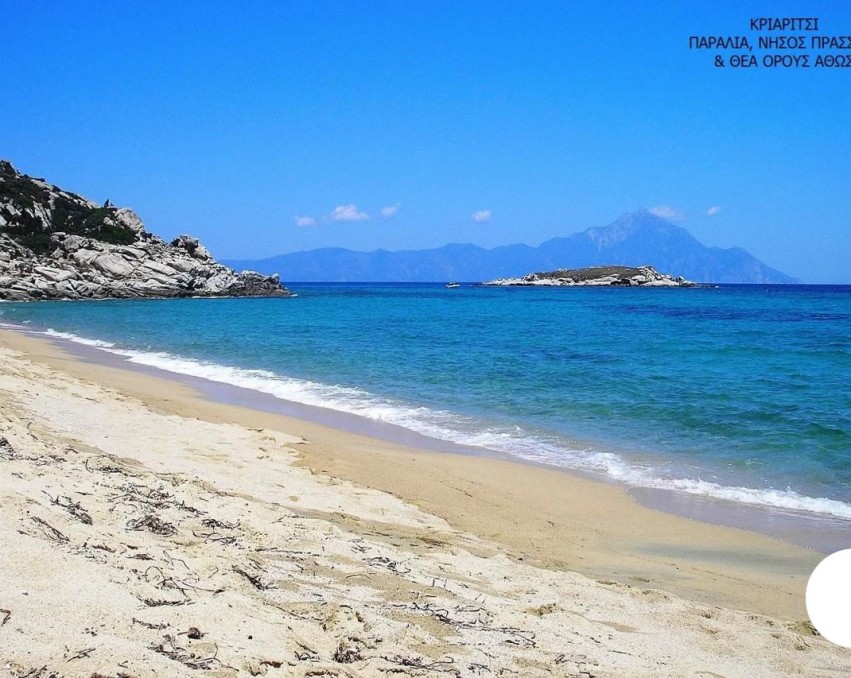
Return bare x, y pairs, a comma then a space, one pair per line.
282, 126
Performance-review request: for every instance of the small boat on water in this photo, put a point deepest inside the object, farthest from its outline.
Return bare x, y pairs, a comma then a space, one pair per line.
451, 285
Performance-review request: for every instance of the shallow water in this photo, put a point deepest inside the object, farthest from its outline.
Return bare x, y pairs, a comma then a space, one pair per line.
737, 392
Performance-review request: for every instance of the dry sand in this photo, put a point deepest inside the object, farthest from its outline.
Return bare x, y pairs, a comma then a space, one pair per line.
146, 531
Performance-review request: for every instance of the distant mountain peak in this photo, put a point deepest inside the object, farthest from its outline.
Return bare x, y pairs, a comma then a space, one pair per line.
634, 239
642, 222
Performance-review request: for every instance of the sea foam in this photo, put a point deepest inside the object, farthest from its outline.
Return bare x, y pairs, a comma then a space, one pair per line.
462, 430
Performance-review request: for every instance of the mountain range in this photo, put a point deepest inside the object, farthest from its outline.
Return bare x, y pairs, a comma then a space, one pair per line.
635, 239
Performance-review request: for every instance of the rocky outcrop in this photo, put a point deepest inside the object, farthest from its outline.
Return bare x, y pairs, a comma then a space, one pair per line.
599, 276
58, 245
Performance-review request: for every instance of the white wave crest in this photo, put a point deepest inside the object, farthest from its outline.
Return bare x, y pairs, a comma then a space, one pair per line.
462, 430
79, 340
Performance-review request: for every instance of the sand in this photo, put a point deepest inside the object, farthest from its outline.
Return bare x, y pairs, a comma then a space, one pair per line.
147, 531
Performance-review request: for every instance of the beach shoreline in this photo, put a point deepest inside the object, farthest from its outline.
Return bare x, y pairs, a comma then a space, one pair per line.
818, 531
533, 524
362, 457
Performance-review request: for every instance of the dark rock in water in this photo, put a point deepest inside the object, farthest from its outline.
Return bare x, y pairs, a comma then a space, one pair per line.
597, 276
58, 245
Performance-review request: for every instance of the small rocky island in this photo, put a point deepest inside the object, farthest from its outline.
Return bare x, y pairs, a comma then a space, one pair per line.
599, 276
58, 245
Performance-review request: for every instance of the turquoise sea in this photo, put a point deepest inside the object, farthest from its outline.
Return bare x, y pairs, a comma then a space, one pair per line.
736, 392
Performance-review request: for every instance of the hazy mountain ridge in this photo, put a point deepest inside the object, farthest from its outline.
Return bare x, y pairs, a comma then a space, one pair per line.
635, 239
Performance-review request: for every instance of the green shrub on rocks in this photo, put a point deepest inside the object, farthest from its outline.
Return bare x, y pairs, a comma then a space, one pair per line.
32, 217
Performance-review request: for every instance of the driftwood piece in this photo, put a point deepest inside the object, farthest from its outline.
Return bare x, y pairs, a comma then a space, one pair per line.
74, 508
50, 531
152, 523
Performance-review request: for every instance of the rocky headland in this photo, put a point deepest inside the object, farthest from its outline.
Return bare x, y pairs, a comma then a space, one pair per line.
599, 276
59, 245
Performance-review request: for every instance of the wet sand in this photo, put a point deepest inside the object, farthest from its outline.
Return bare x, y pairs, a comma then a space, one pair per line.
580, 565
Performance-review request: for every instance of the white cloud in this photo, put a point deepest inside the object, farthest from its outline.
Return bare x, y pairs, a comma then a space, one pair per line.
348, 212
481, 216
304, 221
390, 211
667, 213
712, 211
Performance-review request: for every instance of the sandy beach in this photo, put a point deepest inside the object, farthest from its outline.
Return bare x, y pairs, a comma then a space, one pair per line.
148, 531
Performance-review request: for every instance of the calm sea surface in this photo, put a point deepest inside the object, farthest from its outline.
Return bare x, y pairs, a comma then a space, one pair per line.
737, 392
